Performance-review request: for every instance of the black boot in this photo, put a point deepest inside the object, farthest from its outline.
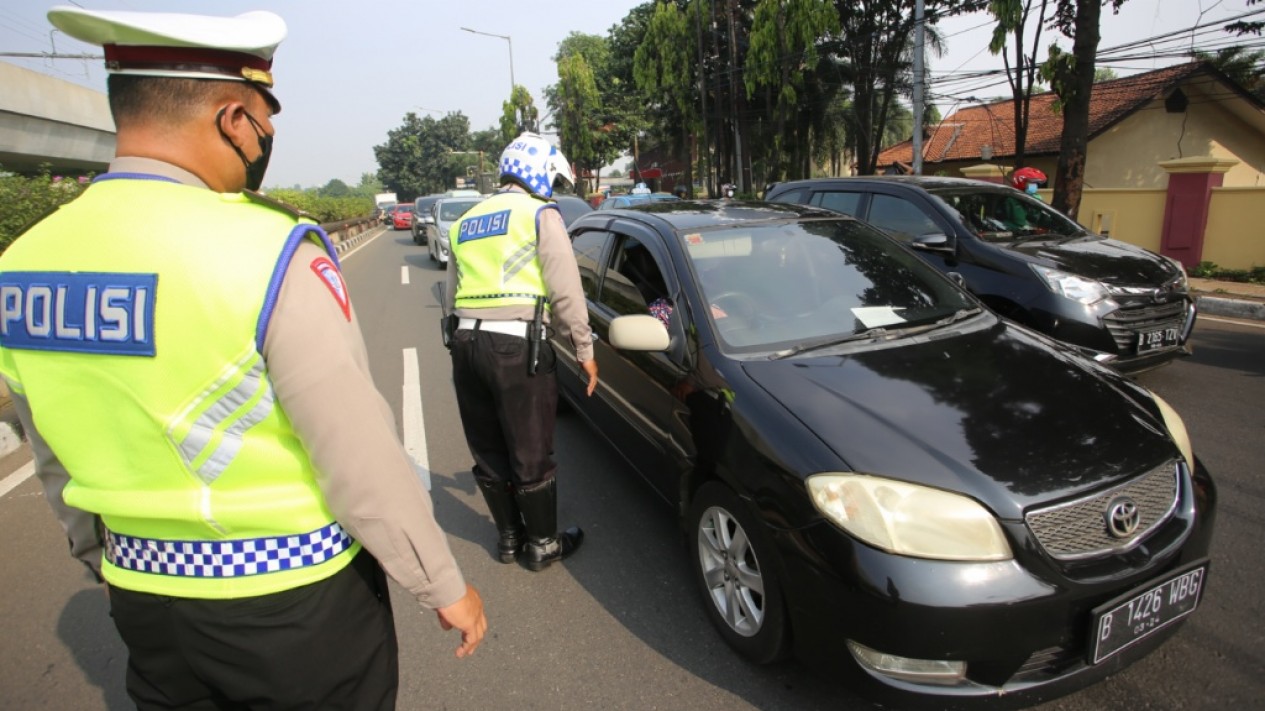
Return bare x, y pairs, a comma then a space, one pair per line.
539, 505
509, 523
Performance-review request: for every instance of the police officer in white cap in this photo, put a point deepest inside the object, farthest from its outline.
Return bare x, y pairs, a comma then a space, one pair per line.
192, 376
513, 271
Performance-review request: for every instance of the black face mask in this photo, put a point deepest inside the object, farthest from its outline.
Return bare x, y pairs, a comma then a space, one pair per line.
254, 169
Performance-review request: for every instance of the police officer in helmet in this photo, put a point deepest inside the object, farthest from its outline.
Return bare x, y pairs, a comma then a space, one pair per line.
200, 407
512, 273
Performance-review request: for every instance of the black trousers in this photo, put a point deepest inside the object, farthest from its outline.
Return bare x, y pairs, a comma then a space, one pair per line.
328, 645
508, 416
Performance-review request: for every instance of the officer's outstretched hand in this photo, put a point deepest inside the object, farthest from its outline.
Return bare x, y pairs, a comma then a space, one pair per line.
590, 367
466, 615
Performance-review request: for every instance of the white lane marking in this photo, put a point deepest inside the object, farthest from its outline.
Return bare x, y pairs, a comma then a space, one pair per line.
414, 422
1236, 322
14, 480
404, 274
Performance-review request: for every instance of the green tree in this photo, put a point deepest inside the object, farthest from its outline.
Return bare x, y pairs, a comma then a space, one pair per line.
601, 108
1244, 66
335, 188
874, 45
1247, 27
784, 39
579, 104
1102, 74
418, 158
624, 114
1014, 17
518, 114
661, 69
1072, 78
369, 185
831, 145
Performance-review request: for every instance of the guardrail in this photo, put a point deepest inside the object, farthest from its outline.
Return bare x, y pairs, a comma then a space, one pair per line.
346, 230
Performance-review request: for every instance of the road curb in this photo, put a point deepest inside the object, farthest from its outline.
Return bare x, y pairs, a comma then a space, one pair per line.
1231, 308
350, 242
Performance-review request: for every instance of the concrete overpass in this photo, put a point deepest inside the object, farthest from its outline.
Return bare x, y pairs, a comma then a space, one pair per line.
45, 120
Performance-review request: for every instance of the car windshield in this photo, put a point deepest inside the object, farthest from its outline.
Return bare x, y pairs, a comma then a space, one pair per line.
450, 210
404, 208
773, 287
1003, 215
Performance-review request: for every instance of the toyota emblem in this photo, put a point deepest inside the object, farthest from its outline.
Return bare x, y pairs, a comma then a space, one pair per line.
1122, 517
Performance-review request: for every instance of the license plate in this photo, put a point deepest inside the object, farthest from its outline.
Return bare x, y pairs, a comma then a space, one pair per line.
1145, 611
1158, 339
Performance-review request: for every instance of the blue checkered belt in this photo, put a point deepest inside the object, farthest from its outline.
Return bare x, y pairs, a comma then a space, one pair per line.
226, 559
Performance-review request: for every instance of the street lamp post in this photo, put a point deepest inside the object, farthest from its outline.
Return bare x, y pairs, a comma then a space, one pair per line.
510, 42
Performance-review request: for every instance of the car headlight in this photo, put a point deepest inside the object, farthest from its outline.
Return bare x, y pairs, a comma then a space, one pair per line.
1076, 288
1176, 430
908, 519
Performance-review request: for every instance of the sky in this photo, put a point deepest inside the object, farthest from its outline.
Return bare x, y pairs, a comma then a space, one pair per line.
349, 71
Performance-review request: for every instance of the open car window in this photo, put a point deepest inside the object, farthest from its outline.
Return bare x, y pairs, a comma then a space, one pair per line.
1005, 215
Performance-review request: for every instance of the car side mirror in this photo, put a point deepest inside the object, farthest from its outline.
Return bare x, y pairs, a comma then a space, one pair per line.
933, 243
639, 332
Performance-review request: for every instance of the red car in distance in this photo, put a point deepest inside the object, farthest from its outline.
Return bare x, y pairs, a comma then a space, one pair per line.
402, 217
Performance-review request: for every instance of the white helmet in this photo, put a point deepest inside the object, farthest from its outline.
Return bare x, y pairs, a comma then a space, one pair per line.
532, 161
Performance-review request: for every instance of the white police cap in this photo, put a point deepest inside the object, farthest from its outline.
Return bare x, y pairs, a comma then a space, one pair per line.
178, 45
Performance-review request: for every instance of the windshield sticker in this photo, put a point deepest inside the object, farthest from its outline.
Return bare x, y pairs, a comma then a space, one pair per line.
876, 316
726, 246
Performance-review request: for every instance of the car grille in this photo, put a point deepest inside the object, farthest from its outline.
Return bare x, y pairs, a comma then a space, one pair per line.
1127, 322
1078, 529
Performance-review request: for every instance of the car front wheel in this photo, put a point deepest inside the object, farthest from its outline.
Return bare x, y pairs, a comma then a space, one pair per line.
732, 560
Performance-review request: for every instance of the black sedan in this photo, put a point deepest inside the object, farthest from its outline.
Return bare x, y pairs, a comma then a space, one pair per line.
876, 473
1118, 303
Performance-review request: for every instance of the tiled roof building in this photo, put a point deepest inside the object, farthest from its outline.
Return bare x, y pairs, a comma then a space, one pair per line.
1135, 122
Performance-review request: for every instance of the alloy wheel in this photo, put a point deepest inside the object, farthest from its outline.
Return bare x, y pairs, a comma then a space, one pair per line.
731, 571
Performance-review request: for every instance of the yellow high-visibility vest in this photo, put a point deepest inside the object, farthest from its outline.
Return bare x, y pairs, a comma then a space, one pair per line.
132, 320
495, 248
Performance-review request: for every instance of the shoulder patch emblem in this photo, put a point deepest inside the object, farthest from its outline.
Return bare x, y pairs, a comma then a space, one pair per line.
329, 274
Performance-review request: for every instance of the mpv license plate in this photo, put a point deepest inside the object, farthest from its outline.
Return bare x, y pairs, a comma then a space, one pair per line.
1158, 339
1145, 610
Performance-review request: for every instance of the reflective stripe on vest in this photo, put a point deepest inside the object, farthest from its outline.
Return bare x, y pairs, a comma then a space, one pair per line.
226, 420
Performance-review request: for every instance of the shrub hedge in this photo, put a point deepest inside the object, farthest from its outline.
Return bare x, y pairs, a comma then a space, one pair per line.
27, 199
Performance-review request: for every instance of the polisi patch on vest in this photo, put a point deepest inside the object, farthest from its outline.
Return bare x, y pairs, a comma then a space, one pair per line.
82, 312
490, 225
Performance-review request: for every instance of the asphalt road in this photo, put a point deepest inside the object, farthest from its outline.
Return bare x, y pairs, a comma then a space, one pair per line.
620, 625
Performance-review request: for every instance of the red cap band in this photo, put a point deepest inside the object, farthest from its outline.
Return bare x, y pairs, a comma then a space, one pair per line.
184, 59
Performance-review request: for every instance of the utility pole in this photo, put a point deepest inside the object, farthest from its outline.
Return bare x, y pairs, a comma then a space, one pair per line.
920, 22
